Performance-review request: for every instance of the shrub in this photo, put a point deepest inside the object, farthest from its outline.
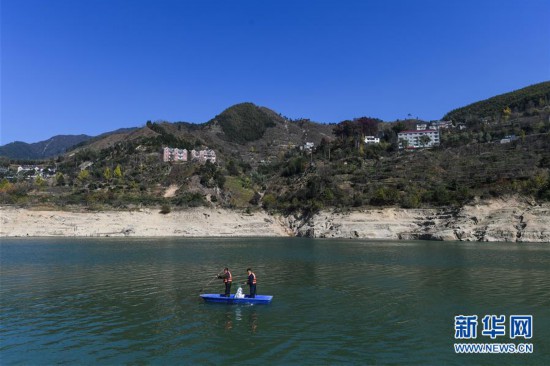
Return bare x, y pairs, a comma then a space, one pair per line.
165, 209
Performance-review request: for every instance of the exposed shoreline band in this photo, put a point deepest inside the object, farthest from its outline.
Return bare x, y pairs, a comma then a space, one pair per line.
510, 220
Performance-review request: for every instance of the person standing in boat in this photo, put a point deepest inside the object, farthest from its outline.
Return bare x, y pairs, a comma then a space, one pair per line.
227, 280
251, 282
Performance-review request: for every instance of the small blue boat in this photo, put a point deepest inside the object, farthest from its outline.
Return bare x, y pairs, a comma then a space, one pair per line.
259, 299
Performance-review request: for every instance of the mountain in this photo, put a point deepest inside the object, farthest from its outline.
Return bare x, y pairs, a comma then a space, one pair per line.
244, 132
522, 101
261, 163
55, 146
245, 122
51, 147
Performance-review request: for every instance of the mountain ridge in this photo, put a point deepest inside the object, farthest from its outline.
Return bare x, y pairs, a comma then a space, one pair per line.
500, 106
53, 146
294, 166
246, 123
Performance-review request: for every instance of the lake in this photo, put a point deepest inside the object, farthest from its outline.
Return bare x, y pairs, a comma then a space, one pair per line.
136, 301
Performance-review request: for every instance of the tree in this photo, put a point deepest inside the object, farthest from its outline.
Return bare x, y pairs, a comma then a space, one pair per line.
424, 140
118, 172
324, 146
83, 175
5, 185
39, 182
107, 174
506, 112
368, 126
399, 127
232, 168
344, 129
59, 179
269, 201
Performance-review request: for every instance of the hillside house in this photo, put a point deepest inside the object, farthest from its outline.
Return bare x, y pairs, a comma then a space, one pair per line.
183, 155
27, 168
174, 154
202, 156
508, 139
421, 127
441, 124
413, 138
371, 140
206, 155
32, 171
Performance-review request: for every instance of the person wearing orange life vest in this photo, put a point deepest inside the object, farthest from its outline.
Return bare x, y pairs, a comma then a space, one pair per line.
227, 280
251, 282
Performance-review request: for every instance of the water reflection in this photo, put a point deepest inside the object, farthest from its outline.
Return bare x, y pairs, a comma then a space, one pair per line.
237, 317
228, 320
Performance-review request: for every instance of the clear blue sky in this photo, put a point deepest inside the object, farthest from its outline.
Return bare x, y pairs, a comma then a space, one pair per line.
92, 66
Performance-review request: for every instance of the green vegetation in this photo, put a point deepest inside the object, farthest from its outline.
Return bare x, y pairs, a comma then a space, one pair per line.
347, 173
244, 122
272, 169
239, 191
526, 101
164, 138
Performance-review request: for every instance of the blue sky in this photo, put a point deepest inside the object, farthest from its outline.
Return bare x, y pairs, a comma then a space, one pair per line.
92, 66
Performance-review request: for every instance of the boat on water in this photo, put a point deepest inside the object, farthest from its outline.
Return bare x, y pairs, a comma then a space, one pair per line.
231, 299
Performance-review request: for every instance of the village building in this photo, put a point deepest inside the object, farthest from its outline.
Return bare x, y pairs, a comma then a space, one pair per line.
421, 126
207, 155
435, 125
372, 140
183, 155
414, 138
508, 139
174, 154
26, 168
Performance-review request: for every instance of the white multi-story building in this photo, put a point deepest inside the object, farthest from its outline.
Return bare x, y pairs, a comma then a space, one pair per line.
413, 137
175, 154
202, 156
206, 155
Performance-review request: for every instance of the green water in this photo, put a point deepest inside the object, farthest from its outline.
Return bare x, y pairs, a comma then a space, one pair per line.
135, 301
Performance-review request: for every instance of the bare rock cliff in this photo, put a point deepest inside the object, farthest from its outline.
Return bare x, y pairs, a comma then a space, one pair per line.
511, 220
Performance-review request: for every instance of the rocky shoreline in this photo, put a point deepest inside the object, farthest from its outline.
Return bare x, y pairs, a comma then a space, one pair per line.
496, 220
503, 220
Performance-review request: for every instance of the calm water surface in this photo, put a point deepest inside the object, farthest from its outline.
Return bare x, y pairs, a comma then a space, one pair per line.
135, 301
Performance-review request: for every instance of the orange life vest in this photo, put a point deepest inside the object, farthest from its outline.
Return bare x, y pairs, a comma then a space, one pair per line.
228, 279
253, 278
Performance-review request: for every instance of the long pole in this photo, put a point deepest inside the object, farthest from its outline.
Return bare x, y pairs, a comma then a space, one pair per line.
209, 282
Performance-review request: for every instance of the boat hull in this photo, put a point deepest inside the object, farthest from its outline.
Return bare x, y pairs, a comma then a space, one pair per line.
259, 299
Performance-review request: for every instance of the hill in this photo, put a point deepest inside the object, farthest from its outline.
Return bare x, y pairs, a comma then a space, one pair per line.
244, 122
268, 167
525, 101
51, 147
244, 132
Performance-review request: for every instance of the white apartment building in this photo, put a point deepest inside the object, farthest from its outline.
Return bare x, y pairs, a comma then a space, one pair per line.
413, 137
202, 156
175, 154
